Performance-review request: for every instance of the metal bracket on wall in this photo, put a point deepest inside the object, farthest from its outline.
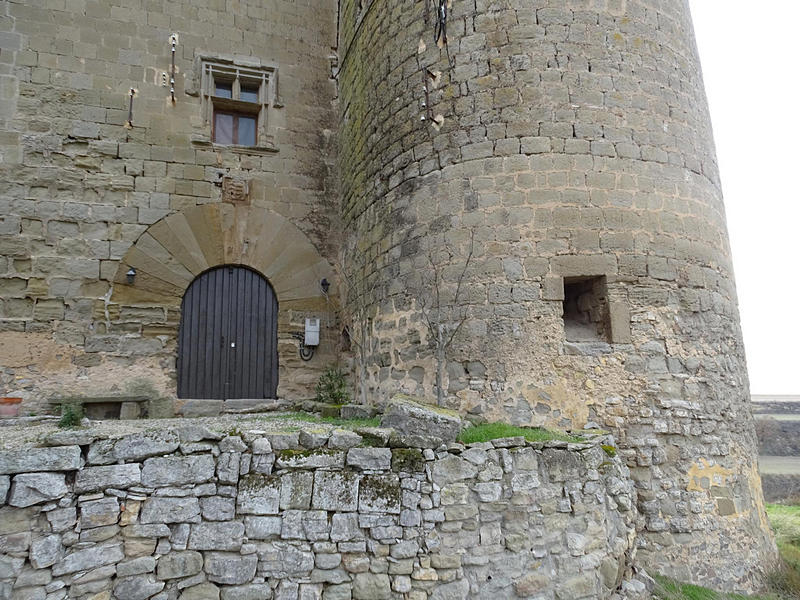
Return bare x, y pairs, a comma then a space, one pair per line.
173, 40
306, 352
129, 122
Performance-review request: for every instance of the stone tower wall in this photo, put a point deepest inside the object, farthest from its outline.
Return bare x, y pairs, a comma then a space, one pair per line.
191, 514
78, 188
571, 142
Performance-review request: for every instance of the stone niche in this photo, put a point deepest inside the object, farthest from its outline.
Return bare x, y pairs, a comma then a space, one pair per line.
194, 514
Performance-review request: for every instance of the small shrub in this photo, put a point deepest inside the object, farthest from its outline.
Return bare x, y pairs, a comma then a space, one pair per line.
332, 387
610, 450
71, 414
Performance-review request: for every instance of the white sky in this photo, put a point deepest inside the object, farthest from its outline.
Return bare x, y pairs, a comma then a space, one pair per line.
751, 66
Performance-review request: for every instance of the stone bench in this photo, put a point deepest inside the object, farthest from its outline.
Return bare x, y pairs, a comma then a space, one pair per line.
107, 407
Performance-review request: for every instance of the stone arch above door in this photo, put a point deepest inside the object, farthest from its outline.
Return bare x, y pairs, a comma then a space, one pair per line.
173, 251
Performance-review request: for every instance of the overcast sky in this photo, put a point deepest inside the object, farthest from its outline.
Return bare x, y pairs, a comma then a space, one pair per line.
751, 66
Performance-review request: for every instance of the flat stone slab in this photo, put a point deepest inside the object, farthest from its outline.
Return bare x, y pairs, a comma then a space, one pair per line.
408, 416
62, 458
201, 408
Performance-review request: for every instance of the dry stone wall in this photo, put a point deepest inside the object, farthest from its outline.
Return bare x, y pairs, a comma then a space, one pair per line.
191, 514
563, 142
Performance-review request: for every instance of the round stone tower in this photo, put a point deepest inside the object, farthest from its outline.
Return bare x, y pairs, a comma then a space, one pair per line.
536, 226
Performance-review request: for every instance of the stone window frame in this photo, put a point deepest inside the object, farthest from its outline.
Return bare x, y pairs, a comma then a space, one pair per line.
209, 69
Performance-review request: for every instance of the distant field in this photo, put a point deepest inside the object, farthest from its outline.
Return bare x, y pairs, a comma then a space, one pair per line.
779, 465
778, 416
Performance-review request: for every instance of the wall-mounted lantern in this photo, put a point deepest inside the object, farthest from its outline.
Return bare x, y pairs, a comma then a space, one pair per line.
131, 275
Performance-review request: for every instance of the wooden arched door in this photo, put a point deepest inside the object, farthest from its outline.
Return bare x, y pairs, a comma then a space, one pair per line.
228, 338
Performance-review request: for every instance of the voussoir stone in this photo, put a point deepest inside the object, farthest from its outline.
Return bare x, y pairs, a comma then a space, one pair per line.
178, 470
230, 568
91, 479
137, 587
61, 458
28, 489
410, 417
179, 564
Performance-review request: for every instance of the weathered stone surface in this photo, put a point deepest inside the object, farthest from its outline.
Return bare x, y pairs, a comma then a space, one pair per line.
229, 568
45, 551
379, 493
281, 560
90, 479
310, 459
296, 489
335, 490
305, 525
253, 591
67, 458
90, 558
262, 528
144, 445
170, 510
62, 519
369, 458
410, 417
452, 468
28, 489
5, 484
258, 495
160, 472
136, 566
372, 586
99, 512
228, 467
216, 508
344, 527
137, 587
456, 590
343, 439
179, 564
197, 433
216, 536
202, 591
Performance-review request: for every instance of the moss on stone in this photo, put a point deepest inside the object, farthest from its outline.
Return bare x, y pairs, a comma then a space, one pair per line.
409, 460
610, 450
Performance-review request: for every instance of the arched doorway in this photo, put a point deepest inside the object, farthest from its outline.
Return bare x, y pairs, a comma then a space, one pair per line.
228, 338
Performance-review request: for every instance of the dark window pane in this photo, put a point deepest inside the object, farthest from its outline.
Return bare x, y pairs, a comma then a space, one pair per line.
247, 131
223, 89
248, 93
223, 128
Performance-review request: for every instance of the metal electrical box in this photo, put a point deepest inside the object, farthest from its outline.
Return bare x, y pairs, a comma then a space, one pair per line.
312, 332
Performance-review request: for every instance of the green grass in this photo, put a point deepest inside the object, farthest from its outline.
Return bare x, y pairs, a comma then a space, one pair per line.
666, 589
493, 431
336, 421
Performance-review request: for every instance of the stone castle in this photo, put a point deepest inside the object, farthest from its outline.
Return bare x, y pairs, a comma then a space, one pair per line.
513, 205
